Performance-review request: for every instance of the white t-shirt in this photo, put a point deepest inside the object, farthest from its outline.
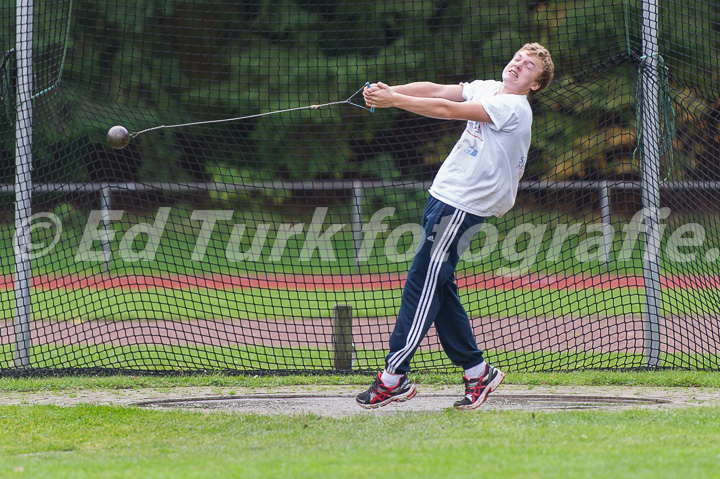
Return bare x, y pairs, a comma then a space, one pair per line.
481, 174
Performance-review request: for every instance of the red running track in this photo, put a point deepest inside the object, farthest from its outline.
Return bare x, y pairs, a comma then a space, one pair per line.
561, 333
366, 282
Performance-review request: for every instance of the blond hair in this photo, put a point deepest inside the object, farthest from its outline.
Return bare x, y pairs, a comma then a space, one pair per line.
548, 67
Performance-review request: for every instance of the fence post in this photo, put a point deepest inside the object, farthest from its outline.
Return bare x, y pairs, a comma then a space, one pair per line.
23, 182
342, 338
650, 128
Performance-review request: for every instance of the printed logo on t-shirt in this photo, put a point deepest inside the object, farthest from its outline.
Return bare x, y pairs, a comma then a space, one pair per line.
521, 163
471, 151
475, 129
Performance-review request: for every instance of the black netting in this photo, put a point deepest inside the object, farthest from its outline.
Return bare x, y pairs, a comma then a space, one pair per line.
257, 221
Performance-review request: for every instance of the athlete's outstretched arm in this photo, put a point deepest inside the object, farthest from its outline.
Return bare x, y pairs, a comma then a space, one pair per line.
430, 90
427, 99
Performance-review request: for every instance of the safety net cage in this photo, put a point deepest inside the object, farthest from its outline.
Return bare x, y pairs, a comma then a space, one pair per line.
249, 213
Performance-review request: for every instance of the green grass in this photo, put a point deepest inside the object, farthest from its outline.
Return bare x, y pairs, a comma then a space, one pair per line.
200, 303
167, 358
154, 358
180, 236
100, 442
128, 442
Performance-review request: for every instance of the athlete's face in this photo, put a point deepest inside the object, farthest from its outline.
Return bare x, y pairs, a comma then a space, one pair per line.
520, 74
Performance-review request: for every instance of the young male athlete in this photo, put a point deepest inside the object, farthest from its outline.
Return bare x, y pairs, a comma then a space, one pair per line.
478, 179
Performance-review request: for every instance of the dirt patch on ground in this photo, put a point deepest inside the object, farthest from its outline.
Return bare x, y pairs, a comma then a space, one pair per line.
338, 401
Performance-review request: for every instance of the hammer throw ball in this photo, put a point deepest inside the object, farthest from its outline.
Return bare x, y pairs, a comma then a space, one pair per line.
118, 137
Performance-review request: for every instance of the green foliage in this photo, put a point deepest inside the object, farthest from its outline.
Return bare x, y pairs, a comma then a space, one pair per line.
142, 64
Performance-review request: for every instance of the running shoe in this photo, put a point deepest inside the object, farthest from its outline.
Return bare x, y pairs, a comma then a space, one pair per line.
477, 389
379, 395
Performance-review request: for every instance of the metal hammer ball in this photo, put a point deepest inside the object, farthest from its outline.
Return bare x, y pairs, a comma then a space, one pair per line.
118, 137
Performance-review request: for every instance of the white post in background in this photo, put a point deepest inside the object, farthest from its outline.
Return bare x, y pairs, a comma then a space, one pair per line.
105, 206
607, 229
23, 181
356, 217
650, 124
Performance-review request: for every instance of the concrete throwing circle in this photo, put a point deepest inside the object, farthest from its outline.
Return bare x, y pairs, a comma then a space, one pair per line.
344, 404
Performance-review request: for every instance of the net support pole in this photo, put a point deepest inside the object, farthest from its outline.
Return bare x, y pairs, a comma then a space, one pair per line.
105, 206
650, 123
343, 348
23, 181
356, 217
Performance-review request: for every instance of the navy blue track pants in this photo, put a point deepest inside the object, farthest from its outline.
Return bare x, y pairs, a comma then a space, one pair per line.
430, 294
